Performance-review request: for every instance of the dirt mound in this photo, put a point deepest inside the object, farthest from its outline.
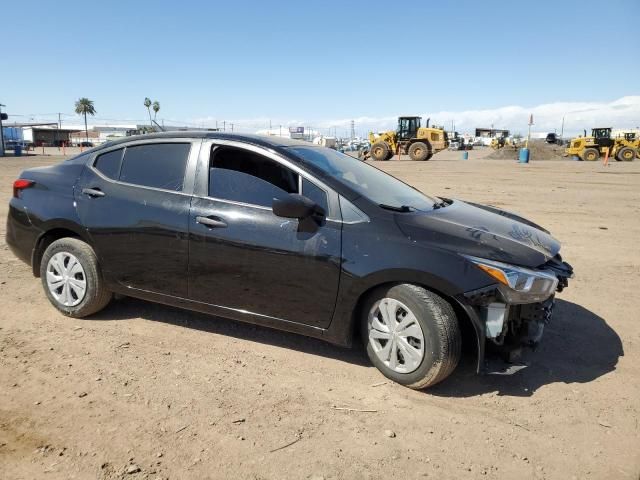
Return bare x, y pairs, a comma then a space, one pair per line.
538, 150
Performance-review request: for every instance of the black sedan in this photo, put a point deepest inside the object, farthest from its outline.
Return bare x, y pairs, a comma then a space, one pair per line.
291, 236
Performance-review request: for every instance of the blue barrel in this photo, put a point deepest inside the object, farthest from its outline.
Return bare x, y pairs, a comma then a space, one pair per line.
524, 155
17, 150
465, 155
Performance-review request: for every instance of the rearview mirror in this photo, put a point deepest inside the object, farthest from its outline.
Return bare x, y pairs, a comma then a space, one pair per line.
296, 206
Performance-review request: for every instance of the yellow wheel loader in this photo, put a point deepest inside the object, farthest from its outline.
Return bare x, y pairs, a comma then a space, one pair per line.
600, 143
500, 142
421, 143
628, 140
497, 143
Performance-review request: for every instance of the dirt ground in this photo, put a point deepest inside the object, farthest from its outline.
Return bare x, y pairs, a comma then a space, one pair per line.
538, 149
163, 393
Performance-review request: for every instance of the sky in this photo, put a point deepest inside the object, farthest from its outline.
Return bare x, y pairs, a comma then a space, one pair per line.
322, 64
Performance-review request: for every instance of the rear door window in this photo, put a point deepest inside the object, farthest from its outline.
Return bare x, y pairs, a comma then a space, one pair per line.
244, 176
159, 165
109, 163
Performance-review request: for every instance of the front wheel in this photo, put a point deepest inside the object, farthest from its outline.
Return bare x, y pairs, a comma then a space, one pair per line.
419, 151
626, 154
411, 335
71, 278
380, 151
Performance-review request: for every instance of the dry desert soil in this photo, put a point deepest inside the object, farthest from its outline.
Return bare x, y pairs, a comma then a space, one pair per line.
147, 391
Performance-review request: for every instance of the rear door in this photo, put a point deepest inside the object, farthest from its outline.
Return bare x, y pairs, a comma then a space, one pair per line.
134, 201
243, 257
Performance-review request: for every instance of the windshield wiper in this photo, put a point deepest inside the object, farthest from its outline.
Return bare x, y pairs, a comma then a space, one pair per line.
393, 208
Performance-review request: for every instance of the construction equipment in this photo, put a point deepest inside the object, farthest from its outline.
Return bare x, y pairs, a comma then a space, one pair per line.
601, 143
421, 143
630, 140
501, 142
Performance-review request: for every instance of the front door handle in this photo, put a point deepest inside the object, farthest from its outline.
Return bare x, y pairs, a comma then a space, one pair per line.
212, 222
93, 192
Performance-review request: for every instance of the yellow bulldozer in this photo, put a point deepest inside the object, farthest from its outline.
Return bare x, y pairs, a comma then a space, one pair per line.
600, 143
421, 143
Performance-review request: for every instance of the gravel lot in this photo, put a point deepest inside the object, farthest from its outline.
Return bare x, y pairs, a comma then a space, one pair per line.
147, 391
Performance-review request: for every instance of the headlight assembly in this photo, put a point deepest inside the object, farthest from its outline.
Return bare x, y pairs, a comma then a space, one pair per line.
518, 284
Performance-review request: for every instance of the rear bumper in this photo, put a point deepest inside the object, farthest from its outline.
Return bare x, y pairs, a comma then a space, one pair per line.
21, 235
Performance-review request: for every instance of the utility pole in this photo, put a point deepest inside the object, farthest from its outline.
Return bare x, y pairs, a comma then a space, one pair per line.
231, 127
280, 130
1, 132
562, 129
353, 129
58, 131
224, 125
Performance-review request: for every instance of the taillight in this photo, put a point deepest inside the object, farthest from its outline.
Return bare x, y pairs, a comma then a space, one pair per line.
20, 185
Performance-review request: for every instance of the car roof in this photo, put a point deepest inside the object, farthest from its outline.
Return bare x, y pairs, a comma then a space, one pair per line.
269, 141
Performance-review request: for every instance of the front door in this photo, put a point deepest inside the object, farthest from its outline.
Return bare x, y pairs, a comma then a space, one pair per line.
243, 257
133, 202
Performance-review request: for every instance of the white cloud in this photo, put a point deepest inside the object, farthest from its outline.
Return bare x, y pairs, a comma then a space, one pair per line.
619, 114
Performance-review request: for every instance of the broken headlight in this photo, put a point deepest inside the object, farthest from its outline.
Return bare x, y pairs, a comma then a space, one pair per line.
518, 284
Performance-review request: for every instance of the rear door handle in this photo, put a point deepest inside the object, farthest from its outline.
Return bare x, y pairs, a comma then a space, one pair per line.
93, 192
211, 222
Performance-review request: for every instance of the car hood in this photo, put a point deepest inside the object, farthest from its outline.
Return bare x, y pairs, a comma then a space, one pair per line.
482, 231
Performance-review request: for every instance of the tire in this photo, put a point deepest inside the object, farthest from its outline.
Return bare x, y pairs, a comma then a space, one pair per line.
590, 155
69, 297
390, 155
379, 151
419, 151
434, 356
626, 154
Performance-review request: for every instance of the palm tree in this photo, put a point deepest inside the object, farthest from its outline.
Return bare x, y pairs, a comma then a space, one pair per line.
147, 103
156, 109
85, 106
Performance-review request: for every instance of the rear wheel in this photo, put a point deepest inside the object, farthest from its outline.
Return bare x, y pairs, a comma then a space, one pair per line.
626, 154
411, 335
71, 278
590, 155
380, 151
419, 151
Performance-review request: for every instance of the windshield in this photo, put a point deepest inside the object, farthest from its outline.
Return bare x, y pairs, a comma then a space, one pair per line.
368, 181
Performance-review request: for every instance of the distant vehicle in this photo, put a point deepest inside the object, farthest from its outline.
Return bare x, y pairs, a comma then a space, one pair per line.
420, 143
12, 144
288, 235
552, 138
601, 143
85, 144
329, 142
454, 145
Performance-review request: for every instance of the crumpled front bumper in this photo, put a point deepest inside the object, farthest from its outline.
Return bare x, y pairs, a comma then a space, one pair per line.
509, 328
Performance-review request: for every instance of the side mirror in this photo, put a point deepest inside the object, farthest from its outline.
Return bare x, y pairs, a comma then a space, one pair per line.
296, 206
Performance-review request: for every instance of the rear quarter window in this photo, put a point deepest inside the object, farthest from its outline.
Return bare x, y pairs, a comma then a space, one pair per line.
160, 165
109, 163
